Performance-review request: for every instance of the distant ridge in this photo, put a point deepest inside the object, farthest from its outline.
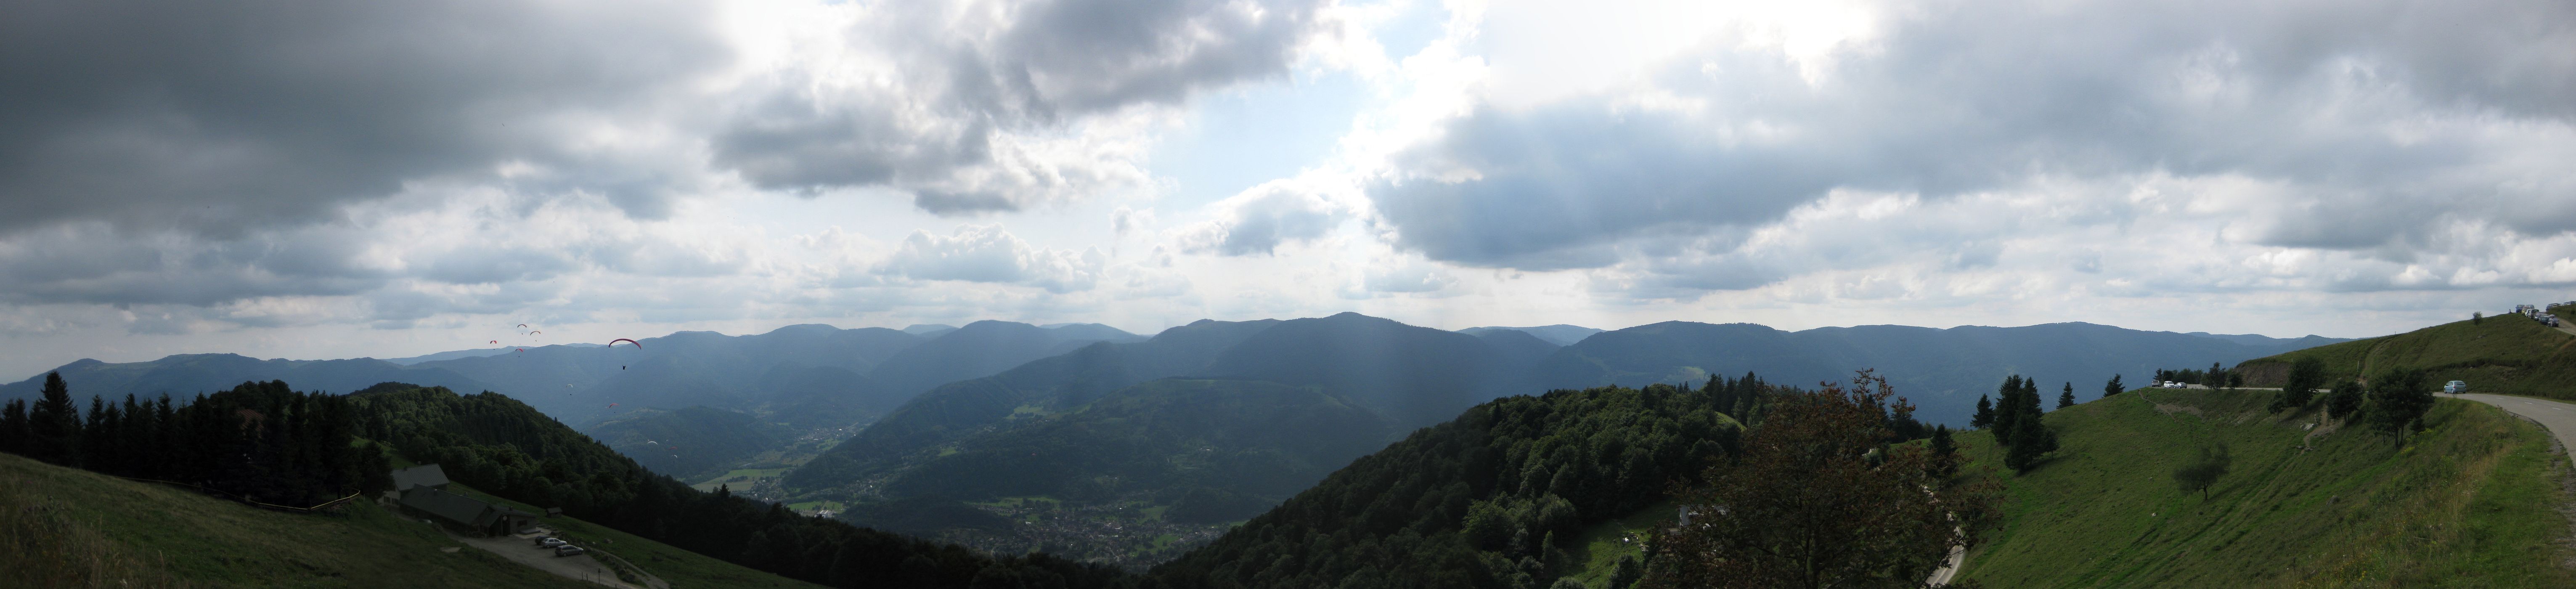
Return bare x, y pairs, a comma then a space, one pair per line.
1559, 334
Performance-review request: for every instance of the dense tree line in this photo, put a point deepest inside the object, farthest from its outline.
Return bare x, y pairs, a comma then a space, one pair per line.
1490, 499
2217, 376
500, 445
259, 441
2015, 420
1818, 497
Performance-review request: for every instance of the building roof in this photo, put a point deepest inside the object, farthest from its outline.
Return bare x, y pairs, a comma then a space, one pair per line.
454, 507
426, 475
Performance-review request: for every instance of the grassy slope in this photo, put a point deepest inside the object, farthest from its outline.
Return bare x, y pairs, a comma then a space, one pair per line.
680, 567
2508, 354
200, 540
2468, 503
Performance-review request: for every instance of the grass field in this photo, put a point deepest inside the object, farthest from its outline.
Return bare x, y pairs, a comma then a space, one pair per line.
1598, 548
2469, 503
2509, 354
155, 535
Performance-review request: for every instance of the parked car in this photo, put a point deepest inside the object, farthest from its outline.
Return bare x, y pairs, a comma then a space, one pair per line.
551, 542
2455, 387
568, 550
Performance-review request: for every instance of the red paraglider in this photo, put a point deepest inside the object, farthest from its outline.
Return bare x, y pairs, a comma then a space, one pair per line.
613, 343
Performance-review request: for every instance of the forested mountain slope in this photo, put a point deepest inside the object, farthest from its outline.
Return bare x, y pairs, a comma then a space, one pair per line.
1489, 499
691, 443
497, 444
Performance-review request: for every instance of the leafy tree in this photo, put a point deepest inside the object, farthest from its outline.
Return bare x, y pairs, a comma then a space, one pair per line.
2114, 387
2398, 400
1985, 414
2217, 376
1804, 507
2344, 402
1624, 574
2306, 374
2203, 471
2477, 317
2066, 398
53, 425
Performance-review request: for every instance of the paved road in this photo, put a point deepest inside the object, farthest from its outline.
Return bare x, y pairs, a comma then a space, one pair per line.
2558, 417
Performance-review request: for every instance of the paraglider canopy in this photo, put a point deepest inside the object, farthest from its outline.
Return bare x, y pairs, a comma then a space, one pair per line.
494, 341
613, 343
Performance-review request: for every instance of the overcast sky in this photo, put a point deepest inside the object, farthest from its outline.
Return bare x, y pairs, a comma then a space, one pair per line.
321, 180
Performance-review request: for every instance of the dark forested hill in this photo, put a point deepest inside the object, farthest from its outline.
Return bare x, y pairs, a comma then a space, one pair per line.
1489, 499
1057, 383
1171, 436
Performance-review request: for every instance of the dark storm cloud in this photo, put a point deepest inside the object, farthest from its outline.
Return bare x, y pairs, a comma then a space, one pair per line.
95, 265
2381, 118
1049, 63
215, 117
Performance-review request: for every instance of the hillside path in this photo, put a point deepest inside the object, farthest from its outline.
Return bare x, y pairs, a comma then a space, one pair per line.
516, 549
2558, 417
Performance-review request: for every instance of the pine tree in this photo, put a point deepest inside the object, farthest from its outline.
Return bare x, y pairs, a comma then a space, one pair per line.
1945, 452
13, 427
53, 425
1985, 416
2007, 410
2114, 387
2067, 398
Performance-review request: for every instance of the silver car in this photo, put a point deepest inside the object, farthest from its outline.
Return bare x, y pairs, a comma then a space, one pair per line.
568, 550
2455, 387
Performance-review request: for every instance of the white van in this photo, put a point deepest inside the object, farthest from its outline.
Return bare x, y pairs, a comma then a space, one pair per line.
2455, 387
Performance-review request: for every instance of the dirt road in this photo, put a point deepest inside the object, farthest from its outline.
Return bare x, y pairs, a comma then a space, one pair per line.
521, 550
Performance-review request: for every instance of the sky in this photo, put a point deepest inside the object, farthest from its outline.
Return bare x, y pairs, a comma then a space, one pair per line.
345, 179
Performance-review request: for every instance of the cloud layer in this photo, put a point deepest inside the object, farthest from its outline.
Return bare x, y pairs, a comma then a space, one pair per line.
178, 177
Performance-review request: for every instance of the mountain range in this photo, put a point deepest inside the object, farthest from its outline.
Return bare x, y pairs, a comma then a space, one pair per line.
1201, 424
